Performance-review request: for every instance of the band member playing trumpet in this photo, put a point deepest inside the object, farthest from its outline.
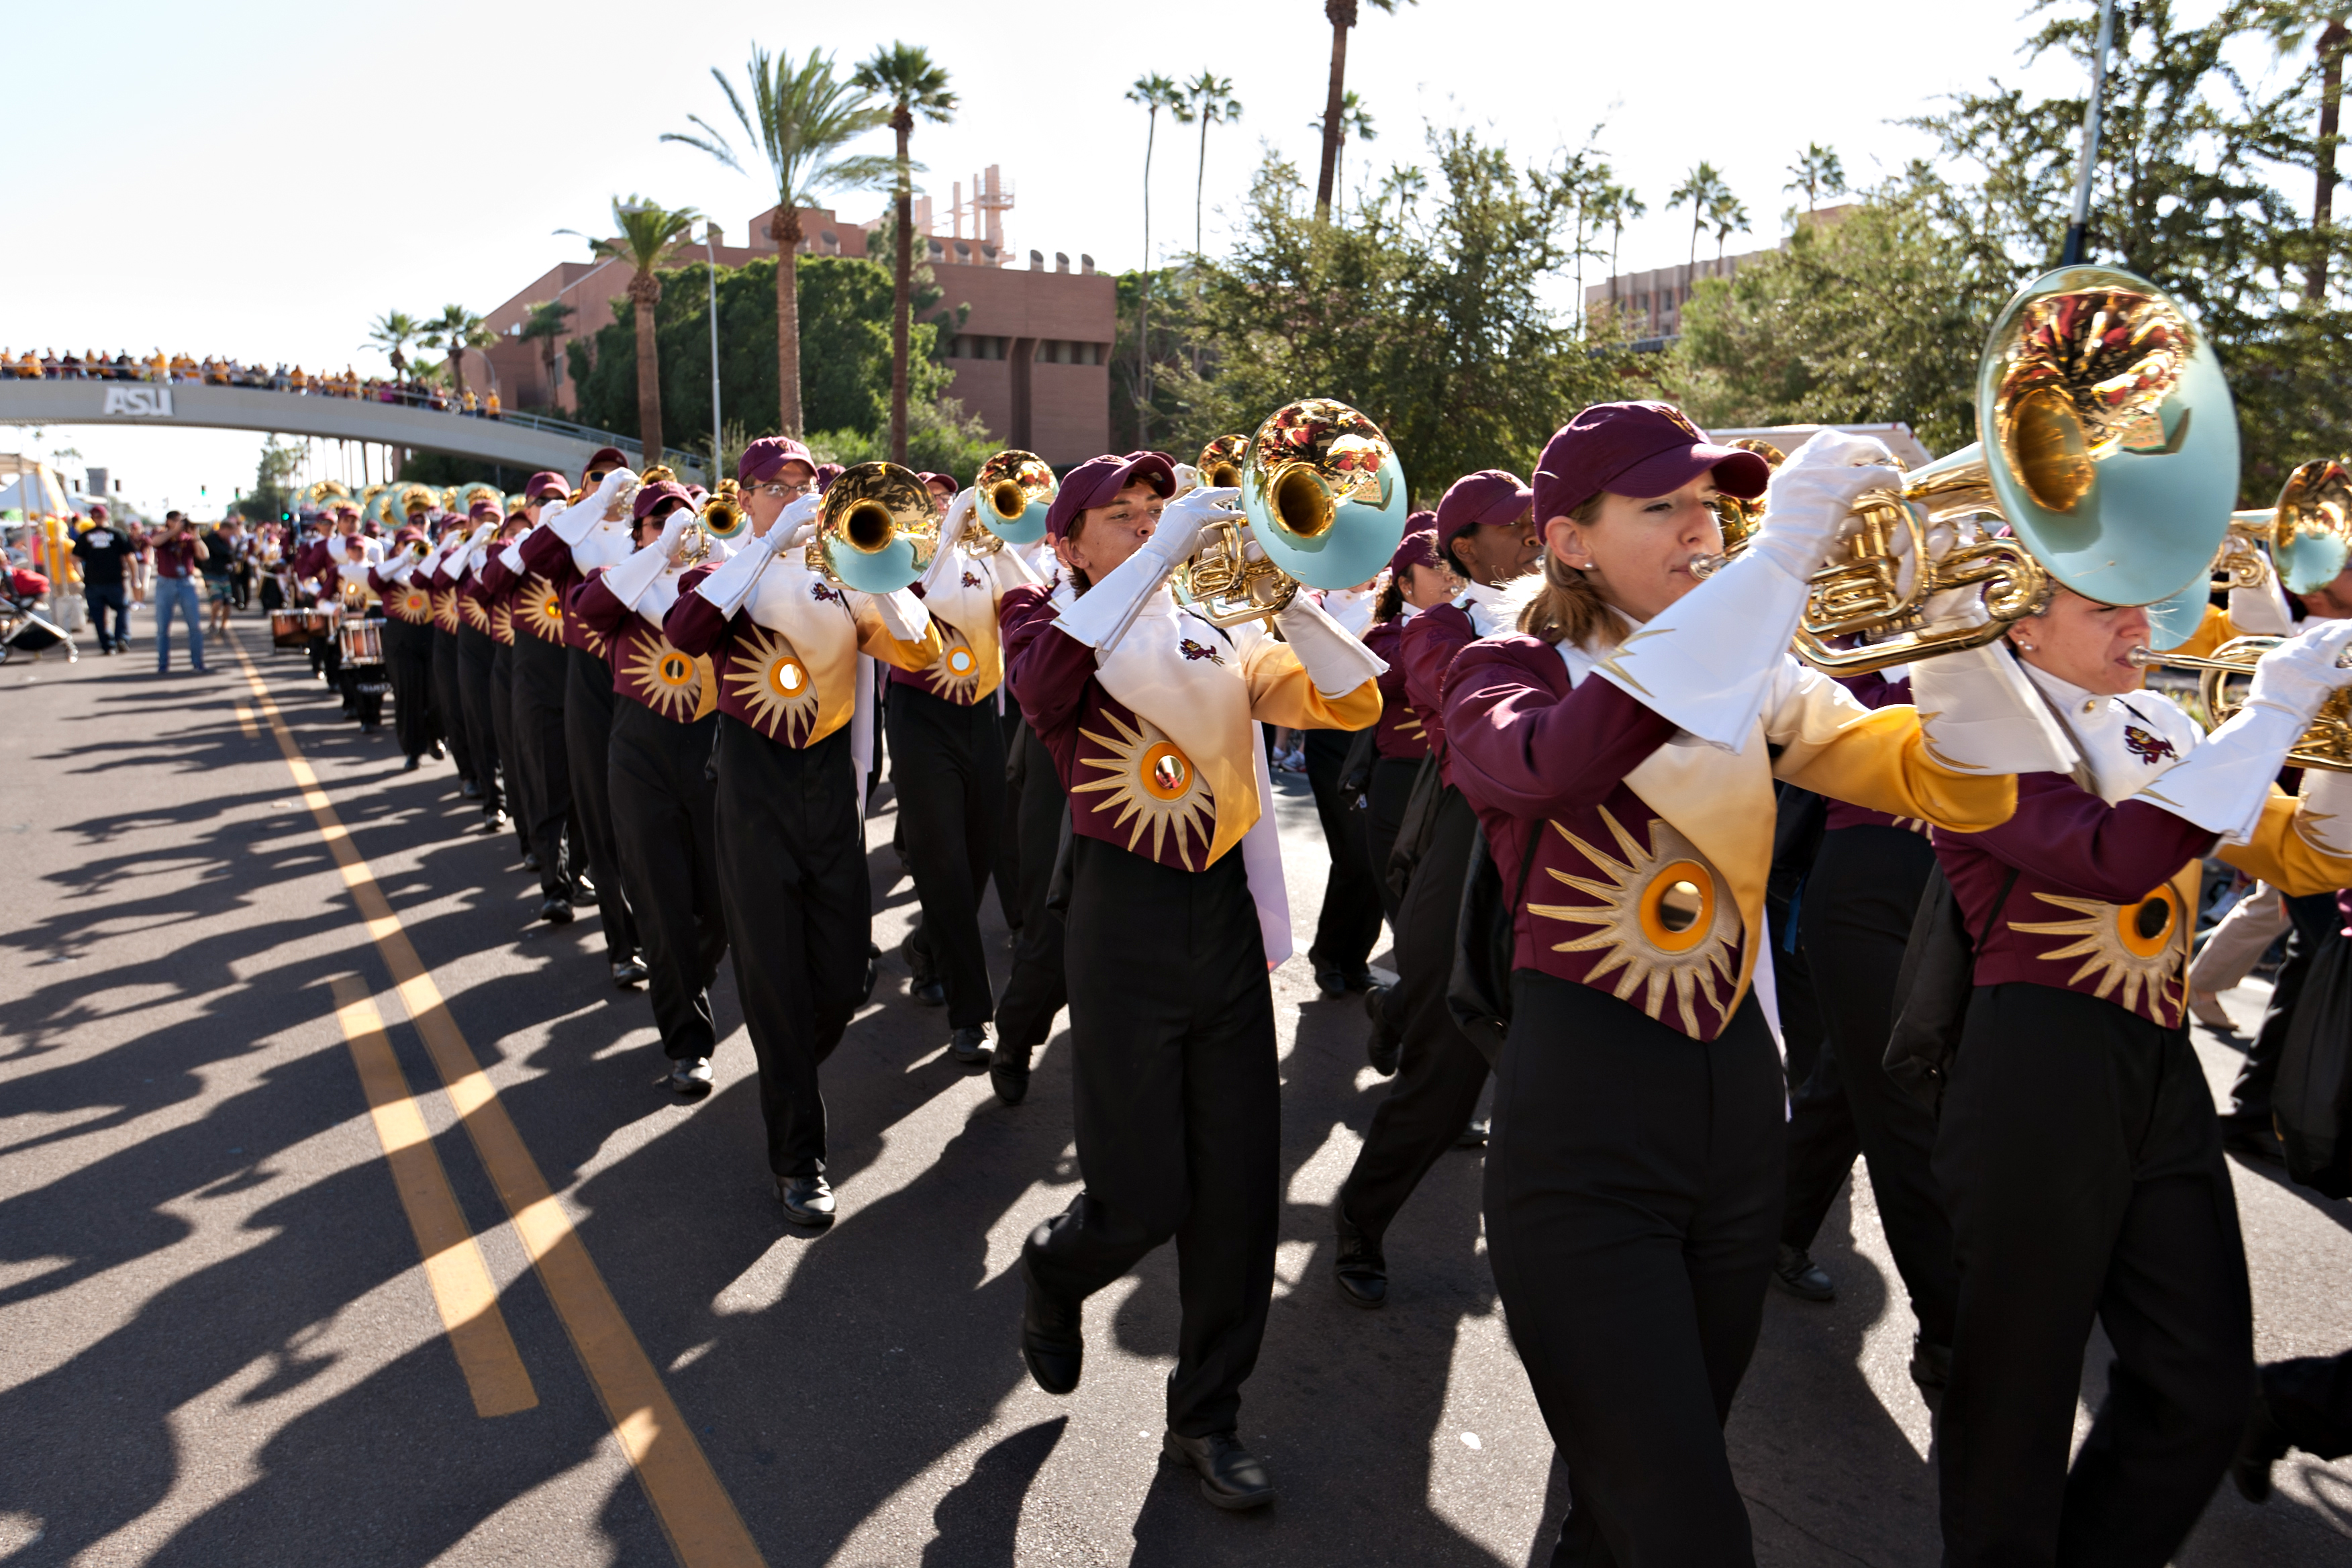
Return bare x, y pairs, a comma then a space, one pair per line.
659, 786
1176, 913
408, 645
784, 643
1621, 754
448, 698
2075, 1081
485, 729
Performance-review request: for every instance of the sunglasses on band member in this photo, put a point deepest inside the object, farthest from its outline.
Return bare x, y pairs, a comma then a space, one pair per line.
786, 489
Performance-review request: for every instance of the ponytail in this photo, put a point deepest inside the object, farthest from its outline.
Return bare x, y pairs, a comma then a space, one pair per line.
1392, 600
1567, 607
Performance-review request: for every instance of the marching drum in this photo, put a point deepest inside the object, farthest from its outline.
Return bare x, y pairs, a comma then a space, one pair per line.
362, 642
287, 629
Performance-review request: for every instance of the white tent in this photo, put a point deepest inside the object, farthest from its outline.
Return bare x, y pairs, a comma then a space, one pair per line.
36, 492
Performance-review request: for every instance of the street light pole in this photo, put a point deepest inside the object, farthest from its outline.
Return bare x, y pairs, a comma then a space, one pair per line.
718, 426
2072, 255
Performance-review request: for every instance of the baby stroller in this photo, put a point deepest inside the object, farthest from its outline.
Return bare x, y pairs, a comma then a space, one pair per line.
23, 632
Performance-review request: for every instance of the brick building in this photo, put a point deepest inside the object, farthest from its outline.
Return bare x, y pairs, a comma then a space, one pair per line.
1650, 304
1031, 360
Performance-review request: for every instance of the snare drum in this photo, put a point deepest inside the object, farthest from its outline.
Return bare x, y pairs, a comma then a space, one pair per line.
288, 629
362, 642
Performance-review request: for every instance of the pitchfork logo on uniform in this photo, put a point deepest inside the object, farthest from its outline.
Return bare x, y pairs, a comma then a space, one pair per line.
1191, 649
2148, 748
822, 594
969, 581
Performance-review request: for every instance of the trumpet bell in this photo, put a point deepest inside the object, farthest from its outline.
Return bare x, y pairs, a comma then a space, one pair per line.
1221, 461
1324, 493
722, 515
877, 531
2115, 443
1016, 490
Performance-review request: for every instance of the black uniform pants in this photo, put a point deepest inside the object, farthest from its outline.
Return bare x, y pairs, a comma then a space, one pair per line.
1859, 900
1349, 921
1179, 1110
449, 707
408, 660
664, 803
947, 761
588, 711
1633, 1200
2082, 1163
502, 719
1035, 990
2314, 924
2310, 1397
1440, 1074
800, 914
1392, 787
482, 712
1006, 872
327, 660
543, 766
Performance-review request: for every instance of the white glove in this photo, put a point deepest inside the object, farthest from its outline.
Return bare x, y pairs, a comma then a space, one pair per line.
2261, 612
674, 529
575, 523
796, 524
1188, 477
1103, 613
959, 519
2225, 780
629, 579
511, 556
481, 536
1813, 494
1979, 714
1335, 662
903, 615
732, 582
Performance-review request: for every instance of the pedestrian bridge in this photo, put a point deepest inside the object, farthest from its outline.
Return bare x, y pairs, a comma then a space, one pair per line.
526, 441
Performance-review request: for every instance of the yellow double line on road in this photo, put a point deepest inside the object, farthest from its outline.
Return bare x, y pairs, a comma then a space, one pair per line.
700, 1517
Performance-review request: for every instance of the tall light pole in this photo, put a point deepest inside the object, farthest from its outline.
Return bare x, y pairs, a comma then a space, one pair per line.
2072, 255
718, 426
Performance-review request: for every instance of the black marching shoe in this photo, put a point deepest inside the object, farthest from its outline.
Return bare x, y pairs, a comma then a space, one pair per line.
411, 764
494, 821
872, 969
1231, 1476
1330, 981
468, 790
1795, 1271
1931, 1367
440, 750
1053, 1341
807, 1200
1473, 1136
555, 912
1358, 1266
922, 980
969, 1045
530, 859
1382, 1048
2262, 1446
583, 892
689, 1079
1008, 1074
629, 971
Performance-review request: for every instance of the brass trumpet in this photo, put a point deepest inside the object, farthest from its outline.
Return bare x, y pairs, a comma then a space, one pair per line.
1742, 518
2309, 532
2327, 744
1221, 461
723, 514
1016, 490
876, 531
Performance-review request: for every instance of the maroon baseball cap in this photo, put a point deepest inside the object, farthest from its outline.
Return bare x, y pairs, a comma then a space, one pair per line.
825, 474
412, 534
483, 512
547, 482
653, 495
1489, 495
764, 459
605, 457
946, 480
1418, 548
97, 510
1098, 482
1639, 449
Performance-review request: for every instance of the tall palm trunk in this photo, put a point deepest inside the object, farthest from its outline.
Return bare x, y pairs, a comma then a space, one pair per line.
458, 372
1143, 315
902, 121
644, 289
1200, 184
2333, 40
786, 232
1342, 14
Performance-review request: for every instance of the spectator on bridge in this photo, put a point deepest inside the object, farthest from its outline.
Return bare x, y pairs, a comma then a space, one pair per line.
491, 408
179, 554
105, 553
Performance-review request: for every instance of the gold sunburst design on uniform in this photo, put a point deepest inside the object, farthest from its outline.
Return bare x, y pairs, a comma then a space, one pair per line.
1665, 918
1409, 726
771, 679
2123, 946
671, 682
502, 622
955, 676
1152, 785
416, 604
475, 613
540, 609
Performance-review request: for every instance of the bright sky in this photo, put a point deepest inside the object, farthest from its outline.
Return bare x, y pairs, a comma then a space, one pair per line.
261, 180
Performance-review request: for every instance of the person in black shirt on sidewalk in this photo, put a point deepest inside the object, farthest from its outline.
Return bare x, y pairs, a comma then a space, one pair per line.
105, 552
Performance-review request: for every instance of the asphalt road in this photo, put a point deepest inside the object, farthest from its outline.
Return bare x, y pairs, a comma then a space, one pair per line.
219, 1342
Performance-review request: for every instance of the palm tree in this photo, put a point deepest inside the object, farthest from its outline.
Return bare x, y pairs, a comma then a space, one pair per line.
1615, 206
543, 324
455, 330
1702, 188
647, 231
1155, 92
801, 116
1342, 17
904, 75
1354, 121
1818, 174
1214, 103
1728, 216
393, 331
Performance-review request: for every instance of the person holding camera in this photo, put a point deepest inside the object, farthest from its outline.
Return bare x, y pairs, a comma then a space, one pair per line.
179, 555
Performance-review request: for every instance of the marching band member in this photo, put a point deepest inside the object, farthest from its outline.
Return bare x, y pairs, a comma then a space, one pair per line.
661, 794
947, 752
356, 558
784, 642
448, 699
408, 645
1418, 580
2075, 1078
1176, 913
541, 671
476, 655
1484, 526
1621, 757
567, 543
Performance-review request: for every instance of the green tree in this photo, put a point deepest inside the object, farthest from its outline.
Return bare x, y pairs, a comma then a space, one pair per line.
801, 119
1342, 16
455, 330
1817, 173
648, 231
1355, 121
272, 495
1727, 216
393, 332
1155, 92
1615, 207
904, 77
543, 324
1704, 190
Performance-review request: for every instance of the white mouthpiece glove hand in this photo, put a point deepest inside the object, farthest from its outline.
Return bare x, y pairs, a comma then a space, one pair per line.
1811, 494
2223, 783
1104, 612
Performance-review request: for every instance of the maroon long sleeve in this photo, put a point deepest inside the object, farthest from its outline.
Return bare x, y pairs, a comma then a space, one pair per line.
694, 625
